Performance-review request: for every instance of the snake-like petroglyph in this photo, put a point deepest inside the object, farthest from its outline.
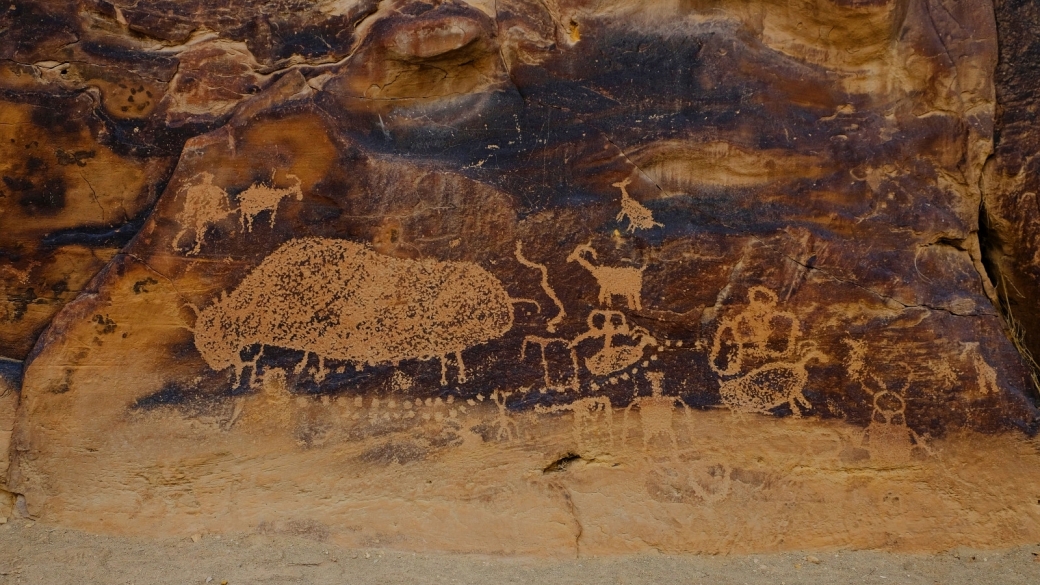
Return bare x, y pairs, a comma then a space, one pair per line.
551, 325
339, 300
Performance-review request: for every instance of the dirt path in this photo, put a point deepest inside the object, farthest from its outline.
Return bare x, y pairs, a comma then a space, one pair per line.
38, 553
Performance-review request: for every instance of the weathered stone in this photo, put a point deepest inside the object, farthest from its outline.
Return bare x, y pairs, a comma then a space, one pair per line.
1011, 220
540, 278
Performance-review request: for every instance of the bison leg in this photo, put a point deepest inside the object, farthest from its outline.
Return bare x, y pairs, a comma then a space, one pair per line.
321, 370
255, 364
300, 367
444, 369
462, 367
799, 400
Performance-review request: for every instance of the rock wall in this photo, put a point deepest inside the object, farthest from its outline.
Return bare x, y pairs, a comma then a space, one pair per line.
1011, 211
512, 277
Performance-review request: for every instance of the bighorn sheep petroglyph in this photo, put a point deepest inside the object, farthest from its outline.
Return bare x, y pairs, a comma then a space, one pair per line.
625, 281
339, 300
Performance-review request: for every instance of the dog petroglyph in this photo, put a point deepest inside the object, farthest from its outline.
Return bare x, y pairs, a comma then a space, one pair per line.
639, 217
623, 281
260, 198
339, 300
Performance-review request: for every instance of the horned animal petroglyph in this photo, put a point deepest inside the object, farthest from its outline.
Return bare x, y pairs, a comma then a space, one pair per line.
204, 204
639, 217
339, 300
624, 281
985, 375
260, 198
772, 385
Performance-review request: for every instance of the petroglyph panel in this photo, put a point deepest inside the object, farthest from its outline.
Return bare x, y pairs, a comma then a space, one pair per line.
513, 277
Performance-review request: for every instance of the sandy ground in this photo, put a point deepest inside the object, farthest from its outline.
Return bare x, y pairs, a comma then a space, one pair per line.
40, 553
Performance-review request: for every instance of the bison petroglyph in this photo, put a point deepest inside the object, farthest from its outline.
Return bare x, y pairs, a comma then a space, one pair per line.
339, 300
772, 385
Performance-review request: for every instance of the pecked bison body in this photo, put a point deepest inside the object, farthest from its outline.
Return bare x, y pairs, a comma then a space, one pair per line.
340, 300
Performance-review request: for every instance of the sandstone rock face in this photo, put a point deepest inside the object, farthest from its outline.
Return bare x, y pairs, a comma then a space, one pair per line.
516, 277
1011, 209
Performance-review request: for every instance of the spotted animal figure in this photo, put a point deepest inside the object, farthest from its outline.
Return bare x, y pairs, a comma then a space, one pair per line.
339, 300
623, 281
260, 198
204, 205
639, 217
772, 385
